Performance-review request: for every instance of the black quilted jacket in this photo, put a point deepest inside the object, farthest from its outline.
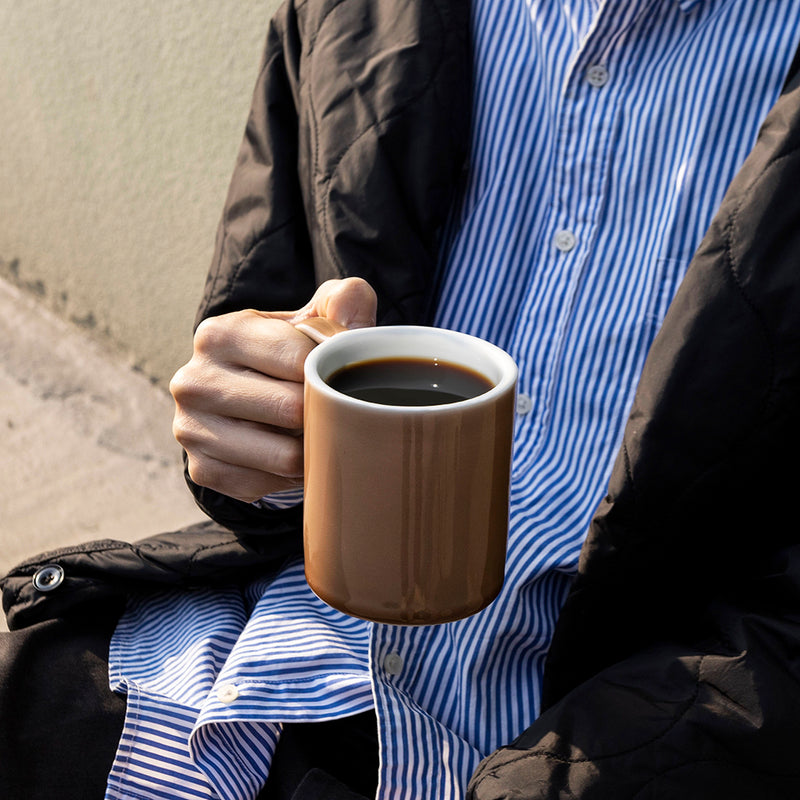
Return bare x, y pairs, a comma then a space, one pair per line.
675, 669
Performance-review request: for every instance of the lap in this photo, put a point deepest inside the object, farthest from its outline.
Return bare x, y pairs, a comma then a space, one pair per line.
668, 722
59, 722
336, 760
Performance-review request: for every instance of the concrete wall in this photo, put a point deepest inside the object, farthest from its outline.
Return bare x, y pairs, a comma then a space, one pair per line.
120, 124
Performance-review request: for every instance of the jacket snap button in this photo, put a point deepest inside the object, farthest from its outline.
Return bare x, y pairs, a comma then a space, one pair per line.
49, 577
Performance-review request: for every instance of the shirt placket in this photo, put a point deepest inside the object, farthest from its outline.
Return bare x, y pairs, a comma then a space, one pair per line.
417, 753
586, 121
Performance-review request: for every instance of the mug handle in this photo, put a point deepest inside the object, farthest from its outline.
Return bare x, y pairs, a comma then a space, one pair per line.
318, 329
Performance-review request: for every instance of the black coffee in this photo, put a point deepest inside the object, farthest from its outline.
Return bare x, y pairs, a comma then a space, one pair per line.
409, 382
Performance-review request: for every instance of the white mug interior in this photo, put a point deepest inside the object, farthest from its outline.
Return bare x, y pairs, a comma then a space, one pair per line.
410, 341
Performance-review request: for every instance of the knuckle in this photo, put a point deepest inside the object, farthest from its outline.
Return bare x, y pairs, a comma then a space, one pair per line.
204, 472
292, 460
359, 285
184, 390
214, 334
180, 432
184, 430
180, 384
208, 334
288, 407
289, 348
292, 410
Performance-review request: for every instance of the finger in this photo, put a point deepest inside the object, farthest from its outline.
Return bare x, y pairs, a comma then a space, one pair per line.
253, 340
241, 483
238, 393
241, 443
220, 451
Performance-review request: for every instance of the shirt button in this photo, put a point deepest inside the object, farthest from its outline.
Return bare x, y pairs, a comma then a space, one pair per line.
524, 404
565, 240
227, 693
597, 75
393, 664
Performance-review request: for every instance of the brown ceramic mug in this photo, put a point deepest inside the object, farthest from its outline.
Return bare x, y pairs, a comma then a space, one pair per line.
406, 506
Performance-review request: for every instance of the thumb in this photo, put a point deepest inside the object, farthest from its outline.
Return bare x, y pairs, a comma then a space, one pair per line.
350, 302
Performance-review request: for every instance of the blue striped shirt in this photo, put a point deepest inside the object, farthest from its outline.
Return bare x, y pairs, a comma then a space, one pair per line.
604, 136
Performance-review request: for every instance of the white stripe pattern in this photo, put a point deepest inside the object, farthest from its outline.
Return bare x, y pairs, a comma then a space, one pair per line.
604, 135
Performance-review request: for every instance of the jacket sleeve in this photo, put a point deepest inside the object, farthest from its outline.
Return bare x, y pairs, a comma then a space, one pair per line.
672, 721
262, 256
355, 144
675, 666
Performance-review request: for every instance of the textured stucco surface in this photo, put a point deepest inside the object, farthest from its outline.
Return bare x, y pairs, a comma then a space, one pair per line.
120, 125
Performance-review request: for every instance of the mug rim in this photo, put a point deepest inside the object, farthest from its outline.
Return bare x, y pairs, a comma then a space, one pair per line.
506, 366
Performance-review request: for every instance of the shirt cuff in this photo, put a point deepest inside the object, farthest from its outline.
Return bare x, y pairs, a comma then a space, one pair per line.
279, 501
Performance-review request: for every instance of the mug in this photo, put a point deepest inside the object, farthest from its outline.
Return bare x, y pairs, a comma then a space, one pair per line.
406, 505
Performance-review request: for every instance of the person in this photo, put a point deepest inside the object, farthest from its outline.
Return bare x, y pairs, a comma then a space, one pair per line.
542, 175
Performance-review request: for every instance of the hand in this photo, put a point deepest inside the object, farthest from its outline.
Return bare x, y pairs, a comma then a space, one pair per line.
239, 400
